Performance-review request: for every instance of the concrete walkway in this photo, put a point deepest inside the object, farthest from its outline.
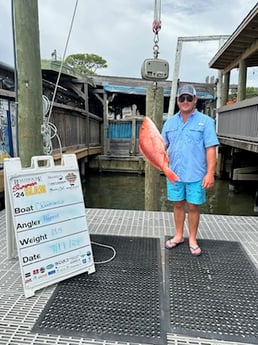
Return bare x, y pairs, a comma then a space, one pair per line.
18, 315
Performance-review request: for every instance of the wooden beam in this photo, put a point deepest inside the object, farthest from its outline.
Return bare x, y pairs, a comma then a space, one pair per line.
245, 174
6, 93
235, 63
29, 79
77, 89
80, 153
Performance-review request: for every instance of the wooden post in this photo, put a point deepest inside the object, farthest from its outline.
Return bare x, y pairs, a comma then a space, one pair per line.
28, 79
133, 138
106, 140
242, 75
226, 84
154, 109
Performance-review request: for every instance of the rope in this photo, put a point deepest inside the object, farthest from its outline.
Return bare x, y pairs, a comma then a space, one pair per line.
62, 61
156, 25
47, 126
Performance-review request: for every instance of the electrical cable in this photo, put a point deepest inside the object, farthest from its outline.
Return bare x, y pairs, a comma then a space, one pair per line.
105, 246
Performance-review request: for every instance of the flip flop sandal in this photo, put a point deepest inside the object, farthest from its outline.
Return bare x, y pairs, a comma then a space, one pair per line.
194, 251
170, 244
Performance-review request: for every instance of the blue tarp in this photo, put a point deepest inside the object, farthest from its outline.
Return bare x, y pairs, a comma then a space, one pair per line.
142, 91
204, 95
122, 130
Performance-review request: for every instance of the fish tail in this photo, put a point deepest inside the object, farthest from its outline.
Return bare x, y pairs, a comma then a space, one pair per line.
171, 175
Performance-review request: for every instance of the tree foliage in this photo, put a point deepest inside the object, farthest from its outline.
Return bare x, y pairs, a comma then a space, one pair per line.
86, 64
251, 92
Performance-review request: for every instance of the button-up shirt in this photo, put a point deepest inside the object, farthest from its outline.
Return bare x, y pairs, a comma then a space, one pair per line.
187, 143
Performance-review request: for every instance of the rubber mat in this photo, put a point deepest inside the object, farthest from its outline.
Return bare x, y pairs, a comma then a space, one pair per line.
121, 301
215, 295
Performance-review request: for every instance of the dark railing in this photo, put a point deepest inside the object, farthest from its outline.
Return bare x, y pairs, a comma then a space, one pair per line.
75, 127
237, 124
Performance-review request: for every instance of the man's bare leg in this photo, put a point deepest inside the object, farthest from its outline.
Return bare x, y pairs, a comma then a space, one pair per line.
193, 223
179, 219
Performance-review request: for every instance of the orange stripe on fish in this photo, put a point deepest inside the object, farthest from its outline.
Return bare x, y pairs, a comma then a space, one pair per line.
152, 147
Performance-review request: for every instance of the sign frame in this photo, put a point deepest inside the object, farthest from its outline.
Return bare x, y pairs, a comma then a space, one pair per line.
46, 225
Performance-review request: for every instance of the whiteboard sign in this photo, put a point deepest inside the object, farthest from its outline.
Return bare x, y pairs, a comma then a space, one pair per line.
46, 212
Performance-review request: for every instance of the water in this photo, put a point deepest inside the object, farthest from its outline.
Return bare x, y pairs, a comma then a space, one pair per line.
126, 192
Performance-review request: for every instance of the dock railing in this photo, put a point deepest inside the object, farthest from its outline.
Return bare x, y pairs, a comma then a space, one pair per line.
238, 124
77, 128
79, 133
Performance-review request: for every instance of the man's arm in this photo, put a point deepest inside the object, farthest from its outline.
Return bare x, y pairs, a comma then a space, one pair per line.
208, 180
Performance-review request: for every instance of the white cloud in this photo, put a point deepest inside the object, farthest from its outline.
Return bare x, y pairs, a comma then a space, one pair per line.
121, 32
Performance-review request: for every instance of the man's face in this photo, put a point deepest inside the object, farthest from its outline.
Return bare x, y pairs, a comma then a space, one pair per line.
186, 103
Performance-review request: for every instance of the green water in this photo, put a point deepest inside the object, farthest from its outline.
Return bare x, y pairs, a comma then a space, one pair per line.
126, 192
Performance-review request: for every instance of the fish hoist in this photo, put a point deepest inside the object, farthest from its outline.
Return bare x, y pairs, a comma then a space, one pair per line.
155, 69
46, 221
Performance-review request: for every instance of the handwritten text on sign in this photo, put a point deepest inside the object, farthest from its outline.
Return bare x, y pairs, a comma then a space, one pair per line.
50, 224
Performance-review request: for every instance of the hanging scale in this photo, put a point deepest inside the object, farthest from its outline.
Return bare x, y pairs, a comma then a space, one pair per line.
155, 69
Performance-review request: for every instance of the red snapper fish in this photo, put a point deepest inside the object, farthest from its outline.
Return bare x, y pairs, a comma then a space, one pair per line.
152, 147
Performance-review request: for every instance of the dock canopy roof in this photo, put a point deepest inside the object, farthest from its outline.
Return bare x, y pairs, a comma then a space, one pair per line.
142, 91
242, 44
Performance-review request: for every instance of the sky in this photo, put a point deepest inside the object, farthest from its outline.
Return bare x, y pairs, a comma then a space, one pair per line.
120, 31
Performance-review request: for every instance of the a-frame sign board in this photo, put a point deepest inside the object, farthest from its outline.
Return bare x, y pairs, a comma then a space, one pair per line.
46, 221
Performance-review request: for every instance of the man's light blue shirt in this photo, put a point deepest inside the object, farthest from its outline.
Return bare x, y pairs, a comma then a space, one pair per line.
187, 142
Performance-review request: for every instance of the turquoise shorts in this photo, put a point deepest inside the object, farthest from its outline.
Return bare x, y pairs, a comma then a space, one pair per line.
192, 192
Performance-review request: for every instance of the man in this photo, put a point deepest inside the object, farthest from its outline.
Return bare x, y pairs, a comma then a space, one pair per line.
191, 141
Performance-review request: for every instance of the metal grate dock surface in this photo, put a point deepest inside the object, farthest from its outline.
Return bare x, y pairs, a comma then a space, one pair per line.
18, 315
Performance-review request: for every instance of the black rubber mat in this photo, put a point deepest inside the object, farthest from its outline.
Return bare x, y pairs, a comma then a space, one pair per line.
121, 301
215, 295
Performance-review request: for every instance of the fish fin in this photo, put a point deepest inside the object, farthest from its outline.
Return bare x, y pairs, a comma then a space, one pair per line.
171, 175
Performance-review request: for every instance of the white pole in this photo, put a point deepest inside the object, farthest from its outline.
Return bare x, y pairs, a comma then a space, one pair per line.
175, 77
180, 41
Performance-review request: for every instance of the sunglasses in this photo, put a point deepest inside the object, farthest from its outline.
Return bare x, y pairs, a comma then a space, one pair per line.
182, 98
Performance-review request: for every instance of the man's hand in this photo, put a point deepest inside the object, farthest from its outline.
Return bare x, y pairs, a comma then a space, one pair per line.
208, 181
